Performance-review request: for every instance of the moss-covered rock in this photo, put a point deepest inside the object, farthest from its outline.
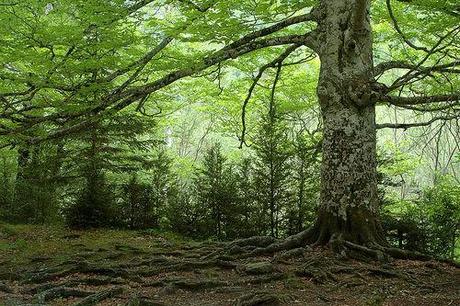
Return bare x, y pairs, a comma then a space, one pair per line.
262, 267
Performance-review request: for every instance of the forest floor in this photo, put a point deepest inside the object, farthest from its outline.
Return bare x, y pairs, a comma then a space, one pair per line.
55, 266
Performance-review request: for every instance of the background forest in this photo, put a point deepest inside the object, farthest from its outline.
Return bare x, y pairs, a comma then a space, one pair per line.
182, 160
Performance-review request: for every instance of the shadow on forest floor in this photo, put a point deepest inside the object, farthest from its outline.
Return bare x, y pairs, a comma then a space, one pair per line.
54, 266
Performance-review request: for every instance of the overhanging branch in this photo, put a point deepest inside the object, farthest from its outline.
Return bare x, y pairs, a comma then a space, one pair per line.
438, 47
270, 30
122, 97
118, 101
224, 54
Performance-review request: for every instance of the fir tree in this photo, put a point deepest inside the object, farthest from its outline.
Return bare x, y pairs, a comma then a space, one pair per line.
272, 171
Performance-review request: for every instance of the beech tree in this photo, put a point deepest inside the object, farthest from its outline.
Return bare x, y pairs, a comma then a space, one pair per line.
154, 51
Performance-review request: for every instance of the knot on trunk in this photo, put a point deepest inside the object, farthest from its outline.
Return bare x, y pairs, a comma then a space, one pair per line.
360, 92
378, 91
364, 92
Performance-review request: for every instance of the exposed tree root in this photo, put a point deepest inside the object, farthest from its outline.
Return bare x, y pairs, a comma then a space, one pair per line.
261, 245
319, 270
260, 298
293, 253
81, 267
327, 270
292, 242
151, 261
317, 275
372, 248
187, 265
198, 285
39, 259
99, 297
404, 254
61, 292
48, 275
254, 299
142, 301
187, 284
256, 241
262, 279
361, 252
385, 272
91, 281
242, 246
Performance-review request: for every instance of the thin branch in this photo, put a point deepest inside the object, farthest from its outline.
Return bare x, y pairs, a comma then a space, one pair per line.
432, 109
272, 111
448, 98
385, 66
270, 30
398, 29
219, 56
401, 81
142, 61
273, 63
406, 126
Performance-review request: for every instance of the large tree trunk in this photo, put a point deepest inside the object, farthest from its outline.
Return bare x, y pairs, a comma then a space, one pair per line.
349, 202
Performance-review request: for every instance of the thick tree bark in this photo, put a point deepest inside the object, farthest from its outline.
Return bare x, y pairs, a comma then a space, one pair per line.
349, 202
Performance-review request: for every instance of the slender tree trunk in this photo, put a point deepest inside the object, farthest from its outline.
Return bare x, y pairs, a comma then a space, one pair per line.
301, 192
349, 202
23, 160
22, 187
219, 220
272, 197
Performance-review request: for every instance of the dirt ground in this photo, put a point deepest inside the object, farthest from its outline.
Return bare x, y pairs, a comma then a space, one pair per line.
43, 266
